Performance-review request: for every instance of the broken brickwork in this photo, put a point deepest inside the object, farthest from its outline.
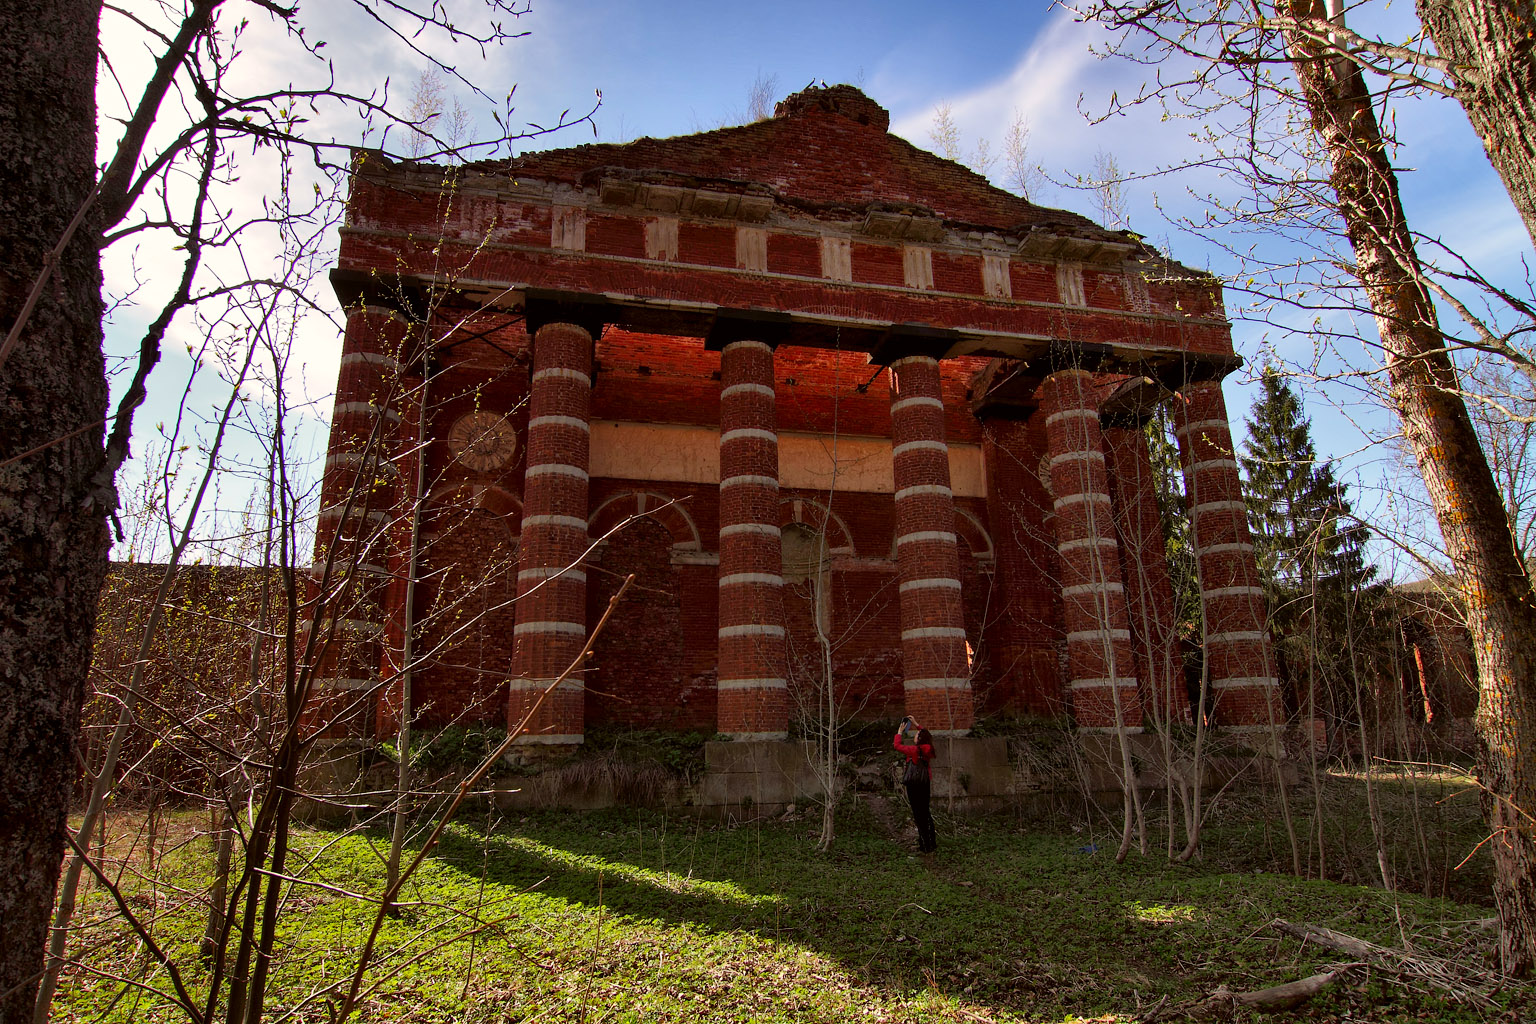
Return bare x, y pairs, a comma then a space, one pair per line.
870, 410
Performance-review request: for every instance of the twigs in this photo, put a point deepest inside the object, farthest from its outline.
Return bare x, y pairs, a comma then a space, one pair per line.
1447, 976
349, 1002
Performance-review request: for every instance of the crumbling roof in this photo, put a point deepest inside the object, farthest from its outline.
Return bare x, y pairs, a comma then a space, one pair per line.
827, 151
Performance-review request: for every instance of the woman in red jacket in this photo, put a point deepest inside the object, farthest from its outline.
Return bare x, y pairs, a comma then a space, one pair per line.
918, 779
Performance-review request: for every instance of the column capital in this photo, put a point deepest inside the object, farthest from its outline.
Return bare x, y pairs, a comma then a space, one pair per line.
1131, 404
356, 288
768, 326
591, 312
901, 340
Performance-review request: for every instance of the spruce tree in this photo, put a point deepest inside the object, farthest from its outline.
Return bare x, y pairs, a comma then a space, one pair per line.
1324, 608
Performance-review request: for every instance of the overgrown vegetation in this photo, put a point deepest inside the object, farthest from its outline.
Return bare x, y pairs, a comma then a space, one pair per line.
650, 915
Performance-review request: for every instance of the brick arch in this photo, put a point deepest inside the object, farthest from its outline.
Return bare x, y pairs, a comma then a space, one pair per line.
970, 531
816, 516
470, 497
660, 508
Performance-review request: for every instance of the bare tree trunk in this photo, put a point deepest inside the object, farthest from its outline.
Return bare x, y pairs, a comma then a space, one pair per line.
1490, 45
1500, 605
53, 399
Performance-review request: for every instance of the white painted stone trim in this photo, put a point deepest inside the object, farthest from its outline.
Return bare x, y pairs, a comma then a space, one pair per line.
1255, 682
1119, 682
367, 409
1232, 592
1203, 425
751, 248
342, 565
1097, 497
746, 389
1066, 547
760, 346
942, 683
919, 446
540, 685
939, 489
552, 572
1239, 547
661, 238
996, 282
1086, 635
572, 522
1093, 588
934, 633
558, 628
921, 535
837, 258
1236, 636
561, 421
355, 460
338, 683
561, 373
1078, 456
751, 629
763, 528
378, 309
766, 579
568, 228
1221, 506
1200, 467
753, 433
558, 469
917, 266
751, 684
371, 358
753, 479
897, 364
360, 629
1062, 414
916, 401
931, 583
375, 516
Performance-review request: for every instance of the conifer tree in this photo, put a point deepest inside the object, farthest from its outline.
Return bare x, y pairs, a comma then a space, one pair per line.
1311, 554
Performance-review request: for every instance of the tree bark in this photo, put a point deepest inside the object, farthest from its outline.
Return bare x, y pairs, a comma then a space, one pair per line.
53, 392
1494, 52
1424, 389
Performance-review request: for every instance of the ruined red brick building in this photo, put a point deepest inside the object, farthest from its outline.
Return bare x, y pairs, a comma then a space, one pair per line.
876, 417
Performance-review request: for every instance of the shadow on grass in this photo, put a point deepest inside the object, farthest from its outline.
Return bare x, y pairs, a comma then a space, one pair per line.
1007, 918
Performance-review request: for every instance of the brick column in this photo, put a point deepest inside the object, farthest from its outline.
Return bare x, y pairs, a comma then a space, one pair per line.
409, 457
937, 678
359, 505
753, 696
1144, 565
1100, 664
1244, 690
551, 624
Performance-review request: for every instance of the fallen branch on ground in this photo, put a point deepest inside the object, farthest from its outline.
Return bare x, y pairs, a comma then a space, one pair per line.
1458, 981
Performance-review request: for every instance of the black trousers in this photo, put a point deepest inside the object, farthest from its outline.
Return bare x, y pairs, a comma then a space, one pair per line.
918, 792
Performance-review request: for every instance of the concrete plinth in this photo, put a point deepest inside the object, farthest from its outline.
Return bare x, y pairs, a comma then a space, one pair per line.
758, 773
964, 767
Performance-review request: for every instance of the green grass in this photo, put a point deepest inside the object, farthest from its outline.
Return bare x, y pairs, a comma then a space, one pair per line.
649, 916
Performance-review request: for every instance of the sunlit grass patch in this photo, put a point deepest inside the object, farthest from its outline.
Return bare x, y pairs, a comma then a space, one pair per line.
646, 916
1160, 913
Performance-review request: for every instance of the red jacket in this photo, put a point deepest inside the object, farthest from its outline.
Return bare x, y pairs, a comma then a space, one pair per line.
916, 753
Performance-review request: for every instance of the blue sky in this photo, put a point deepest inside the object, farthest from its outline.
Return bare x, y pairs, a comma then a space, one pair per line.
673, 68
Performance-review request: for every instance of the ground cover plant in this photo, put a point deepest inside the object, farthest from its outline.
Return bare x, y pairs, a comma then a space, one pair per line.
656, 915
